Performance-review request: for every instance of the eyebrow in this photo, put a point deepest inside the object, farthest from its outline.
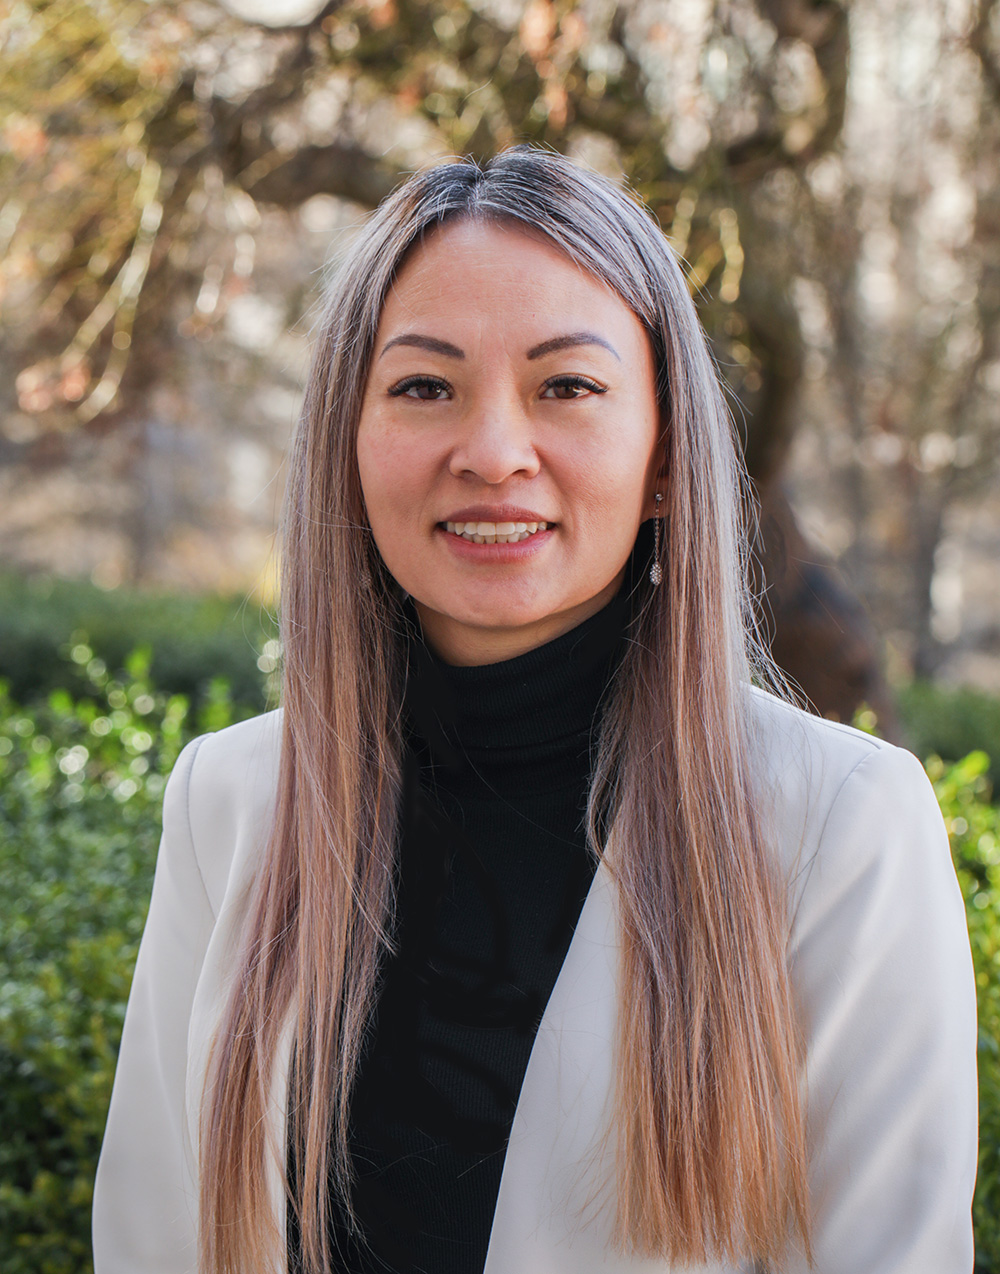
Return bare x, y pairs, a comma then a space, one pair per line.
567, 342
430, 343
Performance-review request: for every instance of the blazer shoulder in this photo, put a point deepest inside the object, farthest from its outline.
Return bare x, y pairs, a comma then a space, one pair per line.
810, 769
234, 749
884, 989
785, 735
231, 785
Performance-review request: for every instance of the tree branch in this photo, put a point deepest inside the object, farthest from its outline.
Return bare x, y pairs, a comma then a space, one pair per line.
981, 44
340, 169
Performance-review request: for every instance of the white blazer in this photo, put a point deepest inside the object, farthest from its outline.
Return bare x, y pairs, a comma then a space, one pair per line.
880, 964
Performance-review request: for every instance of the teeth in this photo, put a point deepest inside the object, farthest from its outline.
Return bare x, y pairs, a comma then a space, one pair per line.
495, 532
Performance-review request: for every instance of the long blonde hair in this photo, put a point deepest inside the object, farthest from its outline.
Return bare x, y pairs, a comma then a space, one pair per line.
710, 1159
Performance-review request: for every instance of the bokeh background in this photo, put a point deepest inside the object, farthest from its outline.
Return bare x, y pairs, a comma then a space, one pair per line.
176, 179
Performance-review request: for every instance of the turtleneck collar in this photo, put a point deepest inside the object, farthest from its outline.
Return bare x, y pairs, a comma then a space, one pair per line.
523, 720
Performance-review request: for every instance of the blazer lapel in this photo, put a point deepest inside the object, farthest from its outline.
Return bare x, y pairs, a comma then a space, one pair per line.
555, 1210
555, 1207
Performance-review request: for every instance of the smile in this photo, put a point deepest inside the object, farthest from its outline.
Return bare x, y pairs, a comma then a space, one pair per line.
495, 532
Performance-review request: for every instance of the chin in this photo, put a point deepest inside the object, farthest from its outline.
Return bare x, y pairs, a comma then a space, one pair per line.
497, 613
501, 618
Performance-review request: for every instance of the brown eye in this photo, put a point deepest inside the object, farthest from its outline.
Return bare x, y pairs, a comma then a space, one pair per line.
426, 389
566, 387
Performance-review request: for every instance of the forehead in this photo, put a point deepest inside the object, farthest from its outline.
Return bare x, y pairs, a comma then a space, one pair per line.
499, 270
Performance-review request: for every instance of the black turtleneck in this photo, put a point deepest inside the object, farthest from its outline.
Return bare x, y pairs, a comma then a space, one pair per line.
493, 873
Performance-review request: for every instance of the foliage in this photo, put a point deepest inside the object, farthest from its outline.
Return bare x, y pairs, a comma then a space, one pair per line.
963, 791
193, 638
81, 779
951, 723
86, 181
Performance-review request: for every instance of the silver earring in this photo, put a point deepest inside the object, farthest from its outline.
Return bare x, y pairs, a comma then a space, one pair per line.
656, 570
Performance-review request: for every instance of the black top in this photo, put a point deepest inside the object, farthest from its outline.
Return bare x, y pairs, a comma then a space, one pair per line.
494, 871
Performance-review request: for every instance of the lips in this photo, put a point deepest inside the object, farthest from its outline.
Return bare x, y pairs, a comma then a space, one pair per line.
495, 513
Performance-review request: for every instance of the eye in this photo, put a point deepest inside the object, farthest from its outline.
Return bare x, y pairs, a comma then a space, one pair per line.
565, 387
424, 388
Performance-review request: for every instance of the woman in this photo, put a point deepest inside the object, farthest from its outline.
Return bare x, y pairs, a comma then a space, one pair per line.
530, 937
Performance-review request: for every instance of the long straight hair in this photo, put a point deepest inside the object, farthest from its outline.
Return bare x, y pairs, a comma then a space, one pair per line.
710, 1157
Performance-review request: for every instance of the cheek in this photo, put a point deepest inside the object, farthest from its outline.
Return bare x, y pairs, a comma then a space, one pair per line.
389, 467
610, 480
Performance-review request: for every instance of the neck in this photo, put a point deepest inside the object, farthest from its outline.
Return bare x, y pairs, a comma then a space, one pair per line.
510, 719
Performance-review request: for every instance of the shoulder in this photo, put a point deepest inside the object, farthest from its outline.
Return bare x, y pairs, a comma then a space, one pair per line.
841, 803
884, 990
221, 796
788, 740
241, 751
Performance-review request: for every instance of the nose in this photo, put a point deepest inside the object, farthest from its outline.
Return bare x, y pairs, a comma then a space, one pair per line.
495, 444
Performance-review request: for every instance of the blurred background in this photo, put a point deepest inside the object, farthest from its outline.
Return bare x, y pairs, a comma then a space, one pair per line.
176, 179
176, 176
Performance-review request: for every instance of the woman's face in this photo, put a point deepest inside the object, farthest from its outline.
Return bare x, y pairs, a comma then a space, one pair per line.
509, 388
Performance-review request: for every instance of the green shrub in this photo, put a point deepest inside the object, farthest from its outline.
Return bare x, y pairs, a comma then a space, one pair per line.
963, 791
81, 782
194, 639
951, 723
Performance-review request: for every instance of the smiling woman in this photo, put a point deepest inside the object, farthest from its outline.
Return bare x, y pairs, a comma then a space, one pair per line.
533, 934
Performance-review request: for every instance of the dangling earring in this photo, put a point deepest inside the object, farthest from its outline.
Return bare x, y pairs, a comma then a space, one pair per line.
656, 570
